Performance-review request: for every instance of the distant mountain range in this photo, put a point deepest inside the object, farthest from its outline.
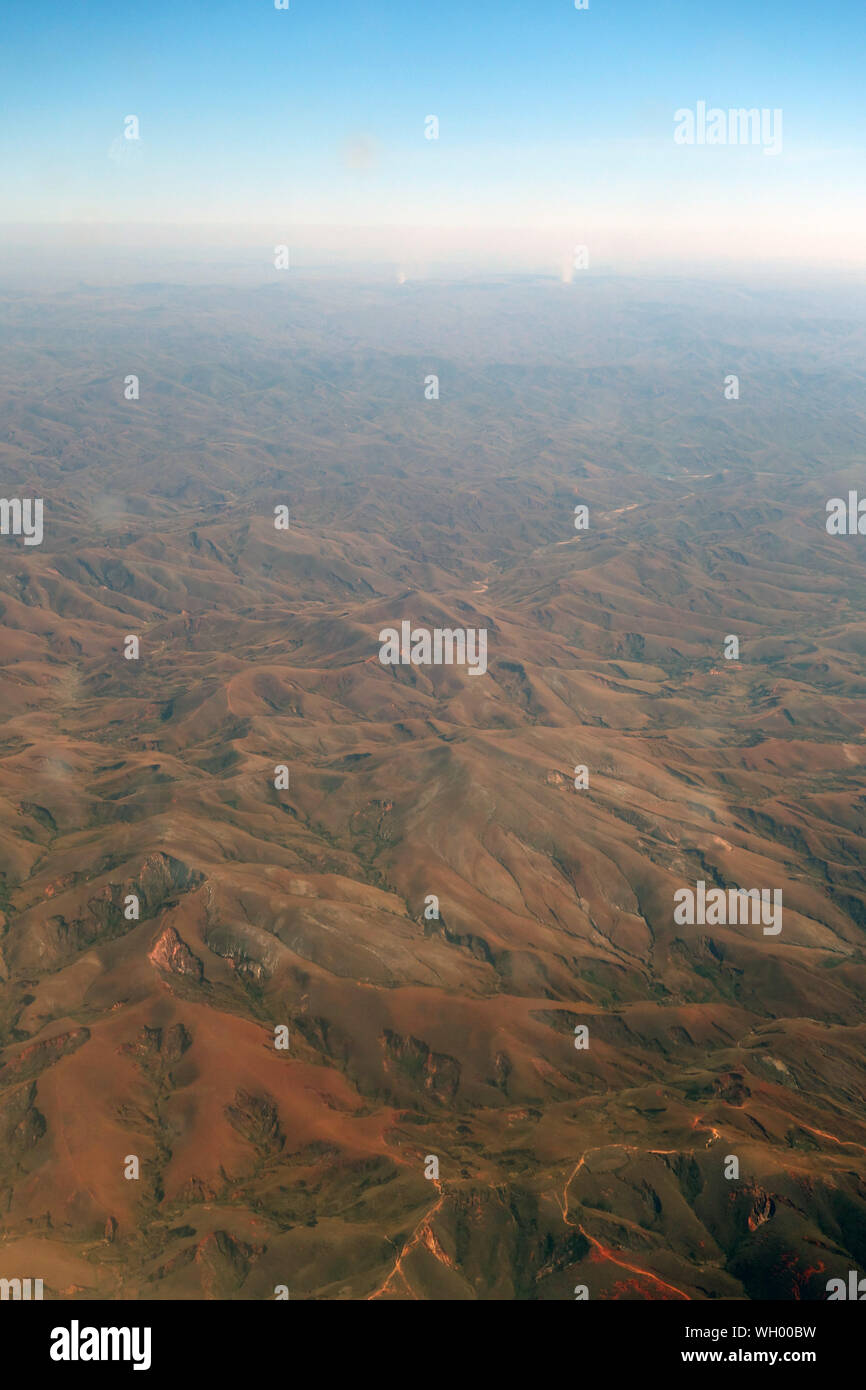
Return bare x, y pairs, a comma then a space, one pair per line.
432, 936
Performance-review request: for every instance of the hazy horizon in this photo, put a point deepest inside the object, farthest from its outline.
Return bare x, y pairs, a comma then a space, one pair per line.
315, 127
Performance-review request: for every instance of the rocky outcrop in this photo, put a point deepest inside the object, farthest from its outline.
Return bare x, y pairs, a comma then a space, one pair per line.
171, 954
224, 1263
255, 1117
38, 1055
435, 1072
21, 1124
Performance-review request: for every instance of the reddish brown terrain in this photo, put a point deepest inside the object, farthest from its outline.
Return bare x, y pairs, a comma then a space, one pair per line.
411, 1036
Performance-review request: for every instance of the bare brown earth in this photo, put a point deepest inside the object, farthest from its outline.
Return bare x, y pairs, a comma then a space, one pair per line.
305, 907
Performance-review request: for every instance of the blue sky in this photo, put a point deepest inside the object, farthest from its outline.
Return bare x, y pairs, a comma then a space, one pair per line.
550, 118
